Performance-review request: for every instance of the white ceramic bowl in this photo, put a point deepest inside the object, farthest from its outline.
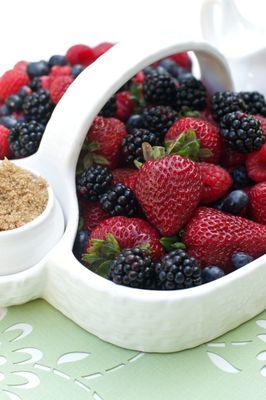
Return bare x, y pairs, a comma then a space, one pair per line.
144, 320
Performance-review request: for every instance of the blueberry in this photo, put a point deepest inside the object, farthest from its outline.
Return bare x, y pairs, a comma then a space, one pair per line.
38, 68
80, 243
212, 273
8, 121
235, 202
240, 177
162, 71
76, 70
134, 121
240, 259
4, 110
14, 102
148, 70
168, 64
57, 60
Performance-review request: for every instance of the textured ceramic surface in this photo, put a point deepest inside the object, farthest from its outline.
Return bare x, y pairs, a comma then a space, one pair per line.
136, 319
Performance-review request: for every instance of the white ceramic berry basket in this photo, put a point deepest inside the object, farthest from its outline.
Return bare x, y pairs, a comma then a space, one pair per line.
151, 321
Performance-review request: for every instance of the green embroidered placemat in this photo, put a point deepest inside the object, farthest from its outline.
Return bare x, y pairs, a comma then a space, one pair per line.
45, 356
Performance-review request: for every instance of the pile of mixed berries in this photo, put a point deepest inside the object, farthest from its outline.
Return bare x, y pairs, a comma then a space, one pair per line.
171, 181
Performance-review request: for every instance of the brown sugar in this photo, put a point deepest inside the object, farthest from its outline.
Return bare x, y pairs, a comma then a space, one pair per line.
23, 196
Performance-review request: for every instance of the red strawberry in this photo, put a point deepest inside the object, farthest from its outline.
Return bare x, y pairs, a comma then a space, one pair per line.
257, 204
80, 54
108, 134
127, 176
4, 146
262, 123
168, 190
212, 236
59, 86
11, 82
183, 60
207, 134
124, 105
256, 165
92, 215
216, 182
129, 232
101, 48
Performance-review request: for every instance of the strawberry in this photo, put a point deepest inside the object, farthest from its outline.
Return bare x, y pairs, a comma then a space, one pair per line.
11, 81
59, 86
256, 165
129, 232
107, 134
80, 54
124, 105
127, 176
207, 134
216, 182
183, 60
101, 48
92, 215
4, 146
168, 190
212, 237
257, 204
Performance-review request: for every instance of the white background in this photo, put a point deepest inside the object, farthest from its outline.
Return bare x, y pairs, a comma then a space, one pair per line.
34, 29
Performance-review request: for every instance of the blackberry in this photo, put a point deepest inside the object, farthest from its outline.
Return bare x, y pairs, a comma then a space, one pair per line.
242, 132
93, 182
109, 109
131, 148
176, 270
255, 102
24, 138
38, 106
35, 84
119, 200
190, 93
226, 102
133, 268
159, 89
240, 177
159, 118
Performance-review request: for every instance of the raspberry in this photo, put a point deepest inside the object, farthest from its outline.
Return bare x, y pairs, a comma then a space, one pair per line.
101, 48
216, 182
59, 87
256, 165
183, 60
92, 214
21, 66
124, 105
4, 146
59, 71
11, 82
80, 54
257, 196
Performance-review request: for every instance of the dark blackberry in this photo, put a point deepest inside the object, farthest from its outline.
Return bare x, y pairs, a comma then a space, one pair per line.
242, 132
159, 89
226, 102
35, 84
38, 106
159, 119
24, 138
133, 268
131, 148
176, 270
190, 93
240, 177
93, 182
255, 102
109, 109
119, 200
14, 102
